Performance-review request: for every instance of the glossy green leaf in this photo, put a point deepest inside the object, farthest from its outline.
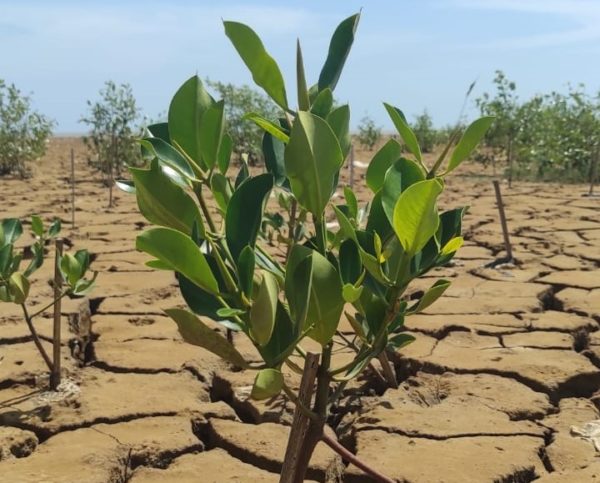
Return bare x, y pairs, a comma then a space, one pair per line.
11, 230
408, 136
452, 246
199, 301
126, 186
303, 99
469, 141
37, 225
158, 265
430, 296
312, 160
350, 262
55, 228
264, 69
267, 384
268, 126
225, 153
273, 152
160, 130
298, 281
323, 103
181, 253
84, 286
245, 212
168, 155
377, 220
212, 124
339, 48
402, 174
18, 287
339, 121
387, 155
71, 269
37, 260
415, 215
351, 293
221, 190
185, 112
229, 312
246, 264
283, 340
264, 308
399, 341
164, 203
351, 201
195, 332
6, 257
326, 300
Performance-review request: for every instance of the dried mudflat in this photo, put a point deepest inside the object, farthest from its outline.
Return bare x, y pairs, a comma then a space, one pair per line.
504, 365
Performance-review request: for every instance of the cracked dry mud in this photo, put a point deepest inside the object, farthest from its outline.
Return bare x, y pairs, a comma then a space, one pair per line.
503, 365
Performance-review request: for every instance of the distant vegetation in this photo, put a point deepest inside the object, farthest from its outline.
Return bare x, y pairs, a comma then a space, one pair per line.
23, 131
368, 133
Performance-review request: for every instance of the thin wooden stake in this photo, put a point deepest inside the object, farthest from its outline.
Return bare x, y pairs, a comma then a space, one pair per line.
72, 189
301, 422
507, 245
594, 169
352, 166
55, 374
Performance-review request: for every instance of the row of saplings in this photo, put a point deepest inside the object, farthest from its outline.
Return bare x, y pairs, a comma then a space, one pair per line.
222, 262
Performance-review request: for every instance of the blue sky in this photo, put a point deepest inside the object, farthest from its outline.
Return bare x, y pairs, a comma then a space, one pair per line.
415, 54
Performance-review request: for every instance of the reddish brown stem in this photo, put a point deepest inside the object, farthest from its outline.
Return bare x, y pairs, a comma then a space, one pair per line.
351, 458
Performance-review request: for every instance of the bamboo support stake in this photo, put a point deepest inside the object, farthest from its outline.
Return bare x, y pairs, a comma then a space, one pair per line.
55, 374
301, 422
72, 189
507, 245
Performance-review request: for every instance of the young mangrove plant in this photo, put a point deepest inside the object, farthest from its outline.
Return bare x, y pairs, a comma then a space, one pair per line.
279, 299
69, 279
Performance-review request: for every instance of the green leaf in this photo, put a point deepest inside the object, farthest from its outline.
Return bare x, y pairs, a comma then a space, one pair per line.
168, 155
312, 159
225, 153
402, 174
164, 203
378, 220
18, 287
54, 229
268, 126
264, 308
160, 130
126, 185
264, 69
339, 121
212, 124
400, 340
229, 312
199, 301
298, 281
326, 300
303, 99
339, 48
469, 141
323, 103
71, 269
432, 294
389, 153
273, 151
351, 201
245, 212
36, 261
6, 258
285, 337
185, 112
158, 265
350, 262
415, 215
246, 264
181, 253
267, 384
12, 230
408, 136
351, 293
221, 190
195, 332
452, 246
83, 286
37, 225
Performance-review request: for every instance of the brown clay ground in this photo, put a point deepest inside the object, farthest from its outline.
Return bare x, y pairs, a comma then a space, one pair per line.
503, 366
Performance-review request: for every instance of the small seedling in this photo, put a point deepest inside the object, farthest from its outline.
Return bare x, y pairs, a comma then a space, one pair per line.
15, 283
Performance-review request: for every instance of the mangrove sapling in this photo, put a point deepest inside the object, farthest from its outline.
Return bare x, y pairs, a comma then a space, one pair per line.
360, 270
69, 279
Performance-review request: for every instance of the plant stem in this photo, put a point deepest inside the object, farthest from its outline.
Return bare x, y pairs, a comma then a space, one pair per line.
204, 207
292, 227
51, 304
36, 338
300, 405
351, 458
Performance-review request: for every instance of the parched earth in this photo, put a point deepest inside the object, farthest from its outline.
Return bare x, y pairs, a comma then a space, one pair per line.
497, 387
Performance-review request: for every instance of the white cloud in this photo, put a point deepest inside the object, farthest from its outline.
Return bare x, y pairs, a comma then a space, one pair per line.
585, 14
